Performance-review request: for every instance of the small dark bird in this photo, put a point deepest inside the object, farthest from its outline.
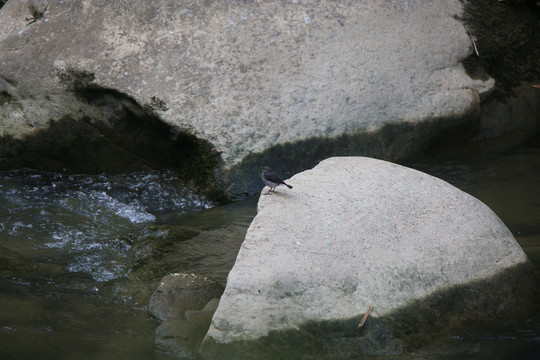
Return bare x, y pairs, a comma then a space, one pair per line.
271, 179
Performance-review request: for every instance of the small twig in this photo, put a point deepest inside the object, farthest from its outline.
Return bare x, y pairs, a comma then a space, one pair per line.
30, 20
365, 317
473, 40
536, 86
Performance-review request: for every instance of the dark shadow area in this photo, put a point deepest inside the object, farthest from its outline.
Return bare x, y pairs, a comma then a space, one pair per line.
393, 141
128, 138
405, 330
507, 37
481, 304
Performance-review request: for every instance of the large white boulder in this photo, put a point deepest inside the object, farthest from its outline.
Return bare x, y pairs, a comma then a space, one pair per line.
355, 232
241, 75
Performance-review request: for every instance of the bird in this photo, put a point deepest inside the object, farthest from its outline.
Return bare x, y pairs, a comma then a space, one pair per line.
271, 179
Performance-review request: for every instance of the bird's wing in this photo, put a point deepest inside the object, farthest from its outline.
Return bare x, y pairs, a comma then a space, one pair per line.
273, 177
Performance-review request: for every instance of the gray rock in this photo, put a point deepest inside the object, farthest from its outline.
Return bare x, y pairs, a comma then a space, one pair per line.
182, 337
520, 112
178, 293
358, 231
244, 76
210, 308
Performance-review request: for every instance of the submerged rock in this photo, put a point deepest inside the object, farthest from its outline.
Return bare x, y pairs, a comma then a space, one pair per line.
182, 336
153, 242
178, 293
356, 232
185, 304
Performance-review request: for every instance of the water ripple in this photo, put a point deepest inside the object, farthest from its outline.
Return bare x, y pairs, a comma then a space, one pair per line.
80, 217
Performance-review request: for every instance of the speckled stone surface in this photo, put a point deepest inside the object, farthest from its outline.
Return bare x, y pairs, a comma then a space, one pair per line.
242, 75
356, 231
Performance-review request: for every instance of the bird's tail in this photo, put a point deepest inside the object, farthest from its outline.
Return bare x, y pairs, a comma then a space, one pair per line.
287, 185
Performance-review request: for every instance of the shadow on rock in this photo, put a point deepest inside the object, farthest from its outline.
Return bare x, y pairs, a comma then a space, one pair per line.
117, 135
393, 141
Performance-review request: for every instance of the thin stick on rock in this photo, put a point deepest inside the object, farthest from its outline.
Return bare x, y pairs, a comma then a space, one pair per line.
365, 317
473, 40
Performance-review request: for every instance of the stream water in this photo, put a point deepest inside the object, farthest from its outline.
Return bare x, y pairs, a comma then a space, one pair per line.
67, 291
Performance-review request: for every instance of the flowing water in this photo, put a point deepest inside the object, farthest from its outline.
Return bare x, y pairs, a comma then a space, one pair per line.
67, 290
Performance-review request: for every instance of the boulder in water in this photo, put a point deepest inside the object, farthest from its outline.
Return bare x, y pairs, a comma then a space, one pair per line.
356, 232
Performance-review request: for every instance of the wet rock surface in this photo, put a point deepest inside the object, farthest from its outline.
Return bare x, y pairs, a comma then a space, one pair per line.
182, 336
178, 293
185, 304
